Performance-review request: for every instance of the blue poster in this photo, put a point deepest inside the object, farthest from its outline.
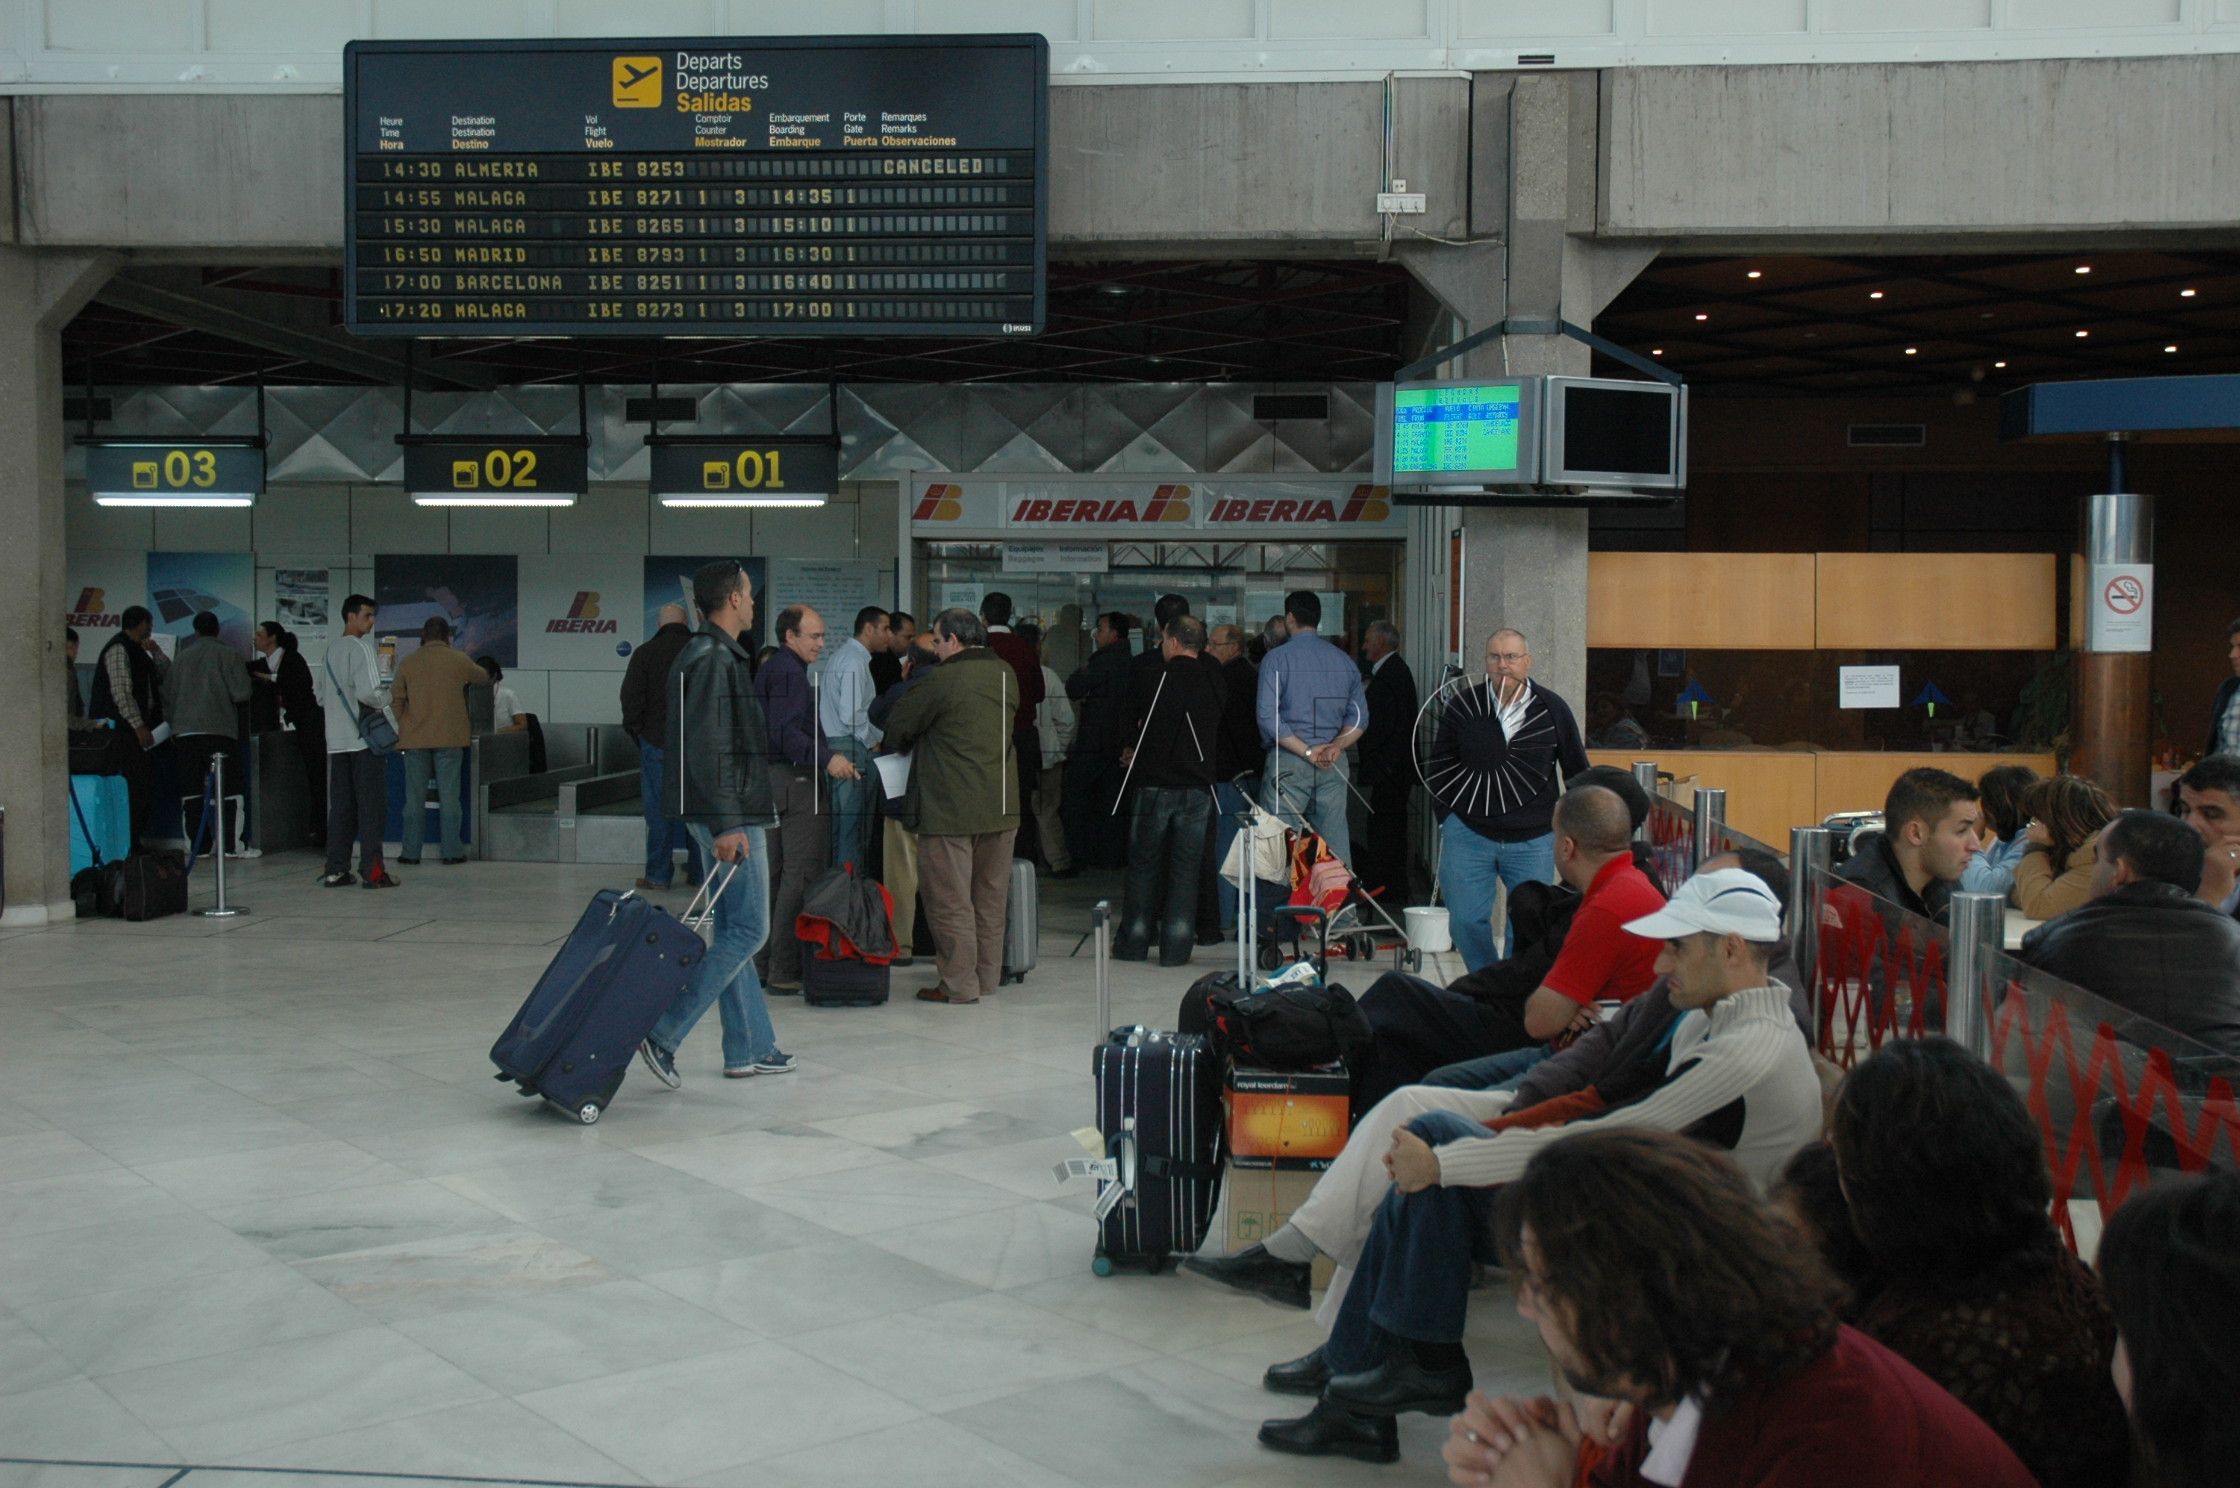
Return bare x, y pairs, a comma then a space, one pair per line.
184, 585
479, 593
669, 581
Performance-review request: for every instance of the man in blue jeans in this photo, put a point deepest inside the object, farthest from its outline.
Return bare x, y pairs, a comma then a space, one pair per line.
1497, 765
645, 717
1311, 711
717, 782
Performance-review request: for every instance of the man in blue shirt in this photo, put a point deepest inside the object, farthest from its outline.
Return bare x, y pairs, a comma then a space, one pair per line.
844, 708
1311, 710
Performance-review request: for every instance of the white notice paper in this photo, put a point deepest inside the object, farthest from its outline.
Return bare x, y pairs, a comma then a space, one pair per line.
1867, 687
894, 774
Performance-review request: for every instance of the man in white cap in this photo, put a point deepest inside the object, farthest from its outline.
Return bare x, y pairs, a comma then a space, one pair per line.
1736, 1073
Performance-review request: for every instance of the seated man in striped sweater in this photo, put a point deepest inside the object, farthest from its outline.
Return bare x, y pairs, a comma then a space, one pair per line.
1735, 1073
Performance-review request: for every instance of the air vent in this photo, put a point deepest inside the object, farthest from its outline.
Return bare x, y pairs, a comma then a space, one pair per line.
74, 410
1271, 407
1886, 436
659, 410
1536, 59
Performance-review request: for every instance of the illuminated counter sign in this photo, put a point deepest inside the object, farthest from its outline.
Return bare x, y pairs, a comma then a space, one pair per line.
742, 470
1456, 433
794, 186
174, 473
533, 470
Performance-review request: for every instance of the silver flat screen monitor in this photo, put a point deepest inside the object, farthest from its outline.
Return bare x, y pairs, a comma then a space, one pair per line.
1605, 432
1459, 434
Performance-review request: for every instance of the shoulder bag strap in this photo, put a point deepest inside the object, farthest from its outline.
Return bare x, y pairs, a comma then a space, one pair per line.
354, 707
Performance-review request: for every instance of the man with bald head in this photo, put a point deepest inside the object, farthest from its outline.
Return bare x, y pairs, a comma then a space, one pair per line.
645, 717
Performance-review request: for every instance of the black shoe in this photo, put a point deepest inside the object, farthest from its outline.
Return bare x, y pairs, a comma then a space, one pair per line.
1327, 1431
341, 880
1131, 951
903, 963
1399, 1386
410, 862
453, 862
1288, 1283
1305, 1375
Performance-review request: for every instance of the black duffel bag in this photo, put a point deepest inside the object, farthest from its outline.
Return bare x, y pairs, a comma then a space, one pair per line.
99, 751
1294, 1027
147, 885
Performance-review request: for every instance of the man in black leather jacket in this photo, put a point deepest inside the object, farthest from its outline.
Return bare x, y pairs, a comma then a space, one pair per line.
2143, 941
719, 786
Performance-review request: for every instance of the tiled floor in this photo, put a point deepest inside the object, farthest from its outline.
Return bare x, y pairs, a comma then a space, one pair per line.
263, 1206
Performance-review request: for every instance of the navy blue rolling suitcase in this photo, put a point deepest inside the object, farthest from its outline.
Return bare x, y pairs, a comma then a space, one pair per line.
621, 967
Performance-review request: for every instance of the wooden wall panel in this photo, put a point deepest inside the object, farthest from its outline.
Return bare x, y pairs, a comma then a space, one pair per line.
1937, 601
1715, 601
1858, 782
1767, 792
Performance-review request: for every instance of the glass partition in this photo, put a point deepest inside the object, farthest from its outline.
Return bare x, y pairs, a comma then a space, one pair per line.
1879, 971
1671, 830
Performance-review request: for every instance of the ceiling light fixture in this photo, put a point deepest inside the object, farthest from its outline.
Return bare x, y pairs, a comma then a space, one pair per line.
1874, 294
486, 498
2186, 294
1700, 315
1998, 364
1913, 351
1754, 274
2084, 268
126, 498
2168, 349
2082, 334
1656, 351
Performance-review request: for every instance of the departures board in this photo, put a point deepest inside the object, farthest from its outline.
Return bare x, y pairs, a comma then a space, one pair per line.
794, 186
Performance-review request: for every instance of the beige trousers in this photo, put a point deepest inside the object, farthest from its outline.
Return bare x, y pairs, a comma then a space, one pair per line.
966, 881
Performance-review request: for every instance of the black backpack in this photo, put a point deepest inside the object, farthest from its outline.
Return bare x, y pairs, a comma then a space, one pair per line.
1277, 1028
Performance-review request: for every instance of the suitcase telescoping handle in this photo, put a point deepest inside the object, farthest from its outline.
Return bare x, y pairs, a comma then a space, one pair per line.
1101, 923
1321, 921
696, 916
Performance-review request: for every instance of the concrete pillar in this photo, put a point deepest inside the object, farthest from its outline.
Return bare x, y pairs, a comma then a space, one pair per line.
1533, 183
39, 293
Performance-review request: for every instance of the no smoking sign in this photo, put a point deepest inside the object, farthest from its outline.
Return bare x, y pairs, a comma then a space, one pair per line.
2125, 594
2122, 618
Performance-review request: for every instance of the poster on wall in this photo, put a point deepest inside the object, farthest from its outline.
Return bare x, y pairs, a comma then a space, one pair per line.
184, 585
581, 612
835, 590
478, 593
304, 601
100, 582
668, 580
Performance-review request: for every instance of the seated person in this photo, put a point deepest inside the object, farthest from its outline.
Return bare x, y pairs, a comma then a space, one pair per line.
2144, 940
1735, 1075
1809, 1195
2054, 873
1570, 954
1945, 1181
2209, 801
2004, 789
1928, 836
1706, 1340
2170, 1261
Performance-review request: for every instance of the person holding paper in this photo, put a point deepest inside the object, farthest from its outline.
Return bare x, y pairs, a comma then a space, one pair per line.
128, 682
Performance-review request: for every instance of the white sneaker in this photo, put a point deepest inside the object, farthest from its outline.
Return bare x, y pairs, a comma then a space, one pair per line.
246, 852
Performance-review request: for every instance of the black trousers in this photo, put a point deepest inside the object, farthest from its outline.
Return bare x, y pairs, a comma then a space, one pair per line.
1381, 859
195, 753
1166, 843
1420, 1025
1095, 835
311, 748
800, 849
357, 808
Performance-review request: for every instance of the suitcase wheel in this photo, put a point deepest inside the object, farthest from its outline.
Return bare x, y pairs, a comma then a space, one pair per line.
588, 1113
1102, 1265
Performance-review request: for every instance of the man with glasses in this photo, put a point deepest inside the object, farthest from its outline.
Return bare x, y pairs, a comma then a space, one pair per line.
1503, 752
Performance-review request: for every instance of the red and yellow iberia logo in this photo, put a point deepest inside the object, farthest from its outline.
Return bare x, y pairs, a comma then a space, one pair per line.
1170, 503
941, 503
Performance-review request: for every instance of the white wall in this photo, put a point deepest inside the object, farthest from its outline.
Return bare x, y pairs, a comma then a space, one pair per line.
345, 527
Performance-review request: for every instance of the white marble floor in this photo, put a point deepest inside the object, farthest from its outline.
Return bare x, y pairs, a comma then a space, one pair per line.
262, 1206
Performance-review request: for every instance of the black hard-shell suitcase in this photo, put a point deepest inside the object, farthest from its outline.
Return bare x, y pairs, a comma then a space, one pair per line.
572, 1042
1159, 1109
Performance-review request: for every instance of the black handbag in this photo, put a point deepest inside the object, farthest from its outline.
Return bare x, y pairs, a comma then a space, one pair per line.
99, 751
1296, 1027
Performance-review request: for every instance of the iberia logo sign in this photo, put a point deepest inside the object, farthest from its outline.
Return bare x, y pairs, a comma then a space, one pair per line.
91, 611
1167, 504
1366, 504
941, 503
582, 617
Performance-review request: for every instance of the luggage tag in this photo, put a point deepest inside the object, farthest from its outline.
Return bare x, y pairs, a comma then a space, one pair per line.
1103, 1169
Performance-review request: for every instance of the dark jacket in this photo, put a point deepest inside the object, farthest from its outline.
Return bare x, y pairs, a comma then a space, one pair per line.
1512, 783
147, 683
886, 671
2154, 950
789, 711
1240, 750
1873, 866
2216, 715
883, 706
645, 703
1101, 690
1387, 748
1026, 666
291, 697
956, 727
1180, 732
718, 775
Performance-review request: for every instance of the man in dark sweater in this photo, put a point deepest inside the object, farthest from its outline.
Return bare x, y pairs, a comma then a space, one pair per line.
1237, 755
1497, 764
645, 718
1100, 692
1172, 775
1387, 771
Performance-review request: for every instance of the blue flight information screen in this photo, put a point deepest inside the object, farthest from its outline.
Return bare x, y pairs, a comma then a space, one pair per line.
1454, 430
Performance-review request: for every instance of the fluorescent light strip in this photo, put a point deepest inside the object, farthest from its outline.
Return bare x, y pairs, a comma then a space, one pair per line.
141, 498
446, 498
747, 502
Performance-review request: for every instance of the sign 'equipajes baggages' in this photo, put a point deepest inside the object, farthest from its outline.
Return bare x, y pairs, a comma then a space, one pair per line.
1159, 1109
1022, 918
626, 960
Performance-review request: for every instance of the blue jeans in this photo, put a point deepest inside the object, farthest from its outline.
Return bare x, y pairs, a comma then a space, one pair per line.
1413, 1278
1229, 800
1494, 1072
1300, 793
445, 763
1468, 866
726, 975
662, 834
851, 809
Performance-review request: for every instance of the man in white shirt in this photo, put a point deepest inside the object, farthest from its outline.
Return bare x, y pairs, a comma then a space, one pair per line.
357, 778
843, 711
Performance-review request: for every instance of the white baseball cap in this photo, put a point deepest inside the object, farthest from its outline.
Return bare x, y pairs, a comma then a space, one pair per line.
1718, 901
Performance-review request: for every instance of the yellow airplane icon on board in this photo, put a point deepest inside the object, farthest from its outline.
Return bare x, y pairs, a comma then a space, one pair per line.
637, 82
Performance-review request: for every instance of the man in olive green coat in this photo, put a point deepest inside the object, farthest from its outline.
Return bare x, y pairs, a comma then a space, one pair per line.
956, 728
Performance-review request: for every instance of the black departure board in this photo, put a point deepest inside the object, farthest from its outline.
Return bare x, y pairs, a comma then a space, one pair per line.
791, 186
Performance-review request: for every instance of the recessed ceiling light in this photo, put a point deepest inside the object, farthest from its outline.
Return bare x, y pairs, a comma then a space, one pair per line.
1656, 351
2082, 334
1913, 350
2168, 349
1754, 274
1998, 364
1874, 294
1701, 316
2084, 268
2186, 294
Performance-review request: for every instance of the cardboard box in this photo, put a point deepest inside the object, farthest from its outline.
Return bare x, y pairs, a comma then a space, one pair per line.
1287, 1119
1262, 1198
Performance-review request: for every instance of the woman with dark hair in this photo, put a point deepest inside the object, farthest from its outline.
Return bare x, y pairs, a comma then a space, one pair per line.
1946, 1182
2061, 845
288, 696
2004, 789
2171, 1262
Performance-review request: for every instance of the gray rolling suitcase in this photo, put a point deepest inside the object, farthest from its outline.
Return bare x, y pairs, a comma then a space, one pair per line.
1022, 917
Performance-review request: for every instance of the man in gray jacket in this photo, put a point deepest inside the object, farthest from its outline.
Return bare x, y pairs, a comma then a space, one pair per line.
209, 682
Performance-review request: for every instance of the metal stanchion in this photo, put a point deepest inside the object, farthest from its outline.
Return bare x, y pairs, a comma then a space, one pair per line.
1711, 824
1811, 852
1645, 776
220, 910
1979, 933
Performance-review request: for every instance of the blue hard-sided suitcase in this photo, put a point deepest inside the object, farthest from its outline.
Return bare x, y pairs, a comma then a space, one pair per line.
103, 808
621, 967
